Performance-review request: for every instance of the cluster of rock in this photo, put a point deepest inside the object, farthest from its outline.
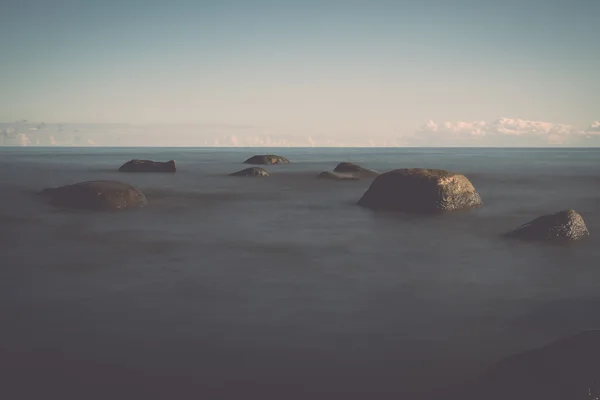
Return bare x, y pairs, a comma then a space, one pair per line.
566, 369
410, 190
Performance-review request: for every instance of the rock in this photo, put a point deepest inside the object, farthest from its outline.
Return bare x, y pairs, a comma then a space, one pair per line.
336, 176
565, 225
420, 190
148, 166
566, 369
96, 195
267, 160
355, 170
253, 171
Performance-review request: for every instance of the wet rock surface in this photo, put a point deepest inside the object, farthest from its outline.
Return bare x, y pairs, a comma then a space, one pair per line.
421, 191
96, 195
355, 170
563, 226
251, 172
148, 166
267, 159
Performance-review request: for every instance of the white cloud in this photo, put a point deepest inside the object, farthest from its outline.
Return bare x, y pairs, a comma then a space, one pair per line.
594, 127
500, 132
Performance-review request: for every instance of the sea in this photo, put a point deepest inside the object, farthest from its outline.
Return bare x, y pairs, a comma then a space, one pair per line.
281, 287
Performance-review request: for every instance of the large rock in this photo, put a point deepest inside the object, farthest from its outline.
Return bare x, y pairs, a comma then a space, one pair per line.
267, 159
252, 171
420, 190
566, 369
565, 225
148, 166
355, 170
96, 195
336, 176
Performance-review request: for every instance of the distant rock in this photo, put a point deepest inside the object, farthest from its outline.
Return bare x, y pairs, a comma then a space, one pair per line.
420, 190
252, 171
96, 195
336, 176
148, 166
566, 369
355, 170
267, 160
565, 225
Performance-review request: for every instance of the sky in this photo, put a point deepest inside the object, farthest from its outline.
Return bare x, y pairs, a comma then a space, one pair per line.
340, 71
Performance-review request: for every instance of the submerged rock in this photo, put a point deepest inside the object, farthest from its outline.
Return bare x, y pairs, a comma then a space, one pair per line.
336, 176
565, 225
96, 195
148, 166
420, 190
267, 159
566, 369
355, 170
252, 171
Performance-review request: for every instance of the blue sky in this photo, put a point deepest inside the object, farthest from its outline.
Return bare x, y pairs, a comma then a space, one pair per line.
341, 67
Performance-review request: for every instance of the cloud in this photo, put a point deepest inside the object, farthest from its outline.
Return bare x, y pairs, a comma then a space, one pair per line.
500, 132
594, 127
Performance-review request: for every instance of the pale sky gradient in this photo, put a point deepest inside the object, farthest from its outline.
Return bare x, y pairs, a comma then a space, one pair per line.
340, 67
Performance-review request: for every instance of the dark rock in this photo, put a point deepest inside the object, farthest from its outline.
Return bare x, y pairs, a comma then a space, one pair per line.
355, 170
566, 369
253, 171
148, 166
267, 160
336, 176
96, 195
565, 225
420, 190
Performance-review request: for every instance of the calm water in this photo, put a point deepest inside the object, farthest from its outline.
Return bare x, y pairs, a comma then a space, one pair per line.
282, 288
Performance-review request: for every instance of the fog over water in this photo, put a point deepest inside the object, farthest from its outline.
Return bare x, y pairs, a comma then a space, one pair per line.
281, 287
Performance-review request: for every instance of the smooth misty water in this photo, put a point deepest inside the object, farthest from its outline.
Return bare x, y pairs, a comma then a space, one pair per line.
280, 287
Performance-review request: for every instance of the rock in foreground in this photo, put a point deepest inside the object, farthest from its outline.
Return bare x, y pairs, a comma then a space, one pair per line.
421, 191
336, 176
267, 160
96, 195
148, 166
355, 170
253, 171
565, 225
566, 369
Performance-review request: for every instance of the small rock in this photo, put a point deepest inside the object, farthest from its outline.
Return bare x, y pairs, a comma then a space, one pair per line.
267, 160
253, 171
96, 195
148, 166
565, 225
336, 176
355, 170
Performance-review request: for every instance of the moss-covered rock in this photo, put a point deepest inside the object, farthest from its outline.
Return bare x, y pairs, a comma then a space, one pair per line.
96, 195
252, 171
420, 190
565, 225
267, 159
148, 166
